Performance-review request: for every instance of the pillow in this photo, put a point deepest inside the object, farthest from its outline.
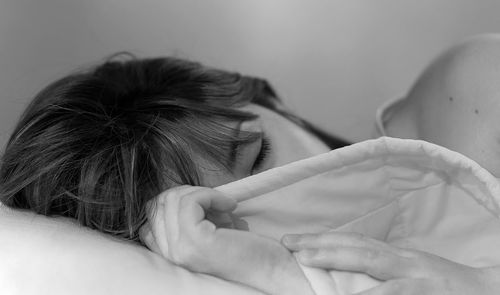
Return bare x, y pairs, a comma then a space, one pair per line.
55, 256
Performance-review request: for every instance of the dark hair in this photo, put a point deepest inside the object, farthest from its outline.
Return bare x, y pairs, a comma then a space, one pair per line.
98, 144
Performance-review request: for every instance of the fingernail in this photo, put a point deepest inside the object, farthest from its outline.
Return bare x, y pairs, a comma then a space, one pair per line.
306, 256
290, 240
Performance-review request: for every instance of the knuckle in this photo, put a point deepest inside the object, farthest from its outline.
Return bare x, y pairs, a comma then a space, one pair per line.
169, 193
162, 197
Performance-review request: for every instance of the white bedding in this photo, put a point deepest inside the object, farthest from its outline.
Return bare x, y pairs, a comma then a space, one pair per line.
408, 193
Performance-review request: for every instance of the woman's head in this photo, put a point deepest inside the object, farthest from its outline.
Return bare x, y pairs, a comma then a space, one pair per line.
97, 145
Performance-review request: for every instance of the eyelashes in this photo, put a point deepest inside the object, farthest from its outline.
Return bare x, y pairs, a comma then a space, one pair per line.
265, 148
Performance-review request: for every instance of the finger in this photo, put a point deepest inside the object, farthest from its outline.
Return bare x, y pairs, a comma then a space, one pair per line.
341, 239
193, 207
214, 200
382, 265
163, 219
334, 239
398, 287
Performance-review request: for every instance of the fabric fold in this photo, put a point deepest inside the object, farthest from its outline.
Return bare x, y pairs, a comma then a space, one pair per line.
408, 193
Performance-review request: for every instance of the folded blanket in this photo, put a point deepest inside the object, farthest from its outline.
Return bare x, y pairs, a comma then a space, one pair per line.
408, 193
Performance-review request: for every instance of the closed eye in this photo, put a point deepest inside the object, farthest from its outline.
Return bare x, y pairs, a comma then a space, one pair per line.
260, 159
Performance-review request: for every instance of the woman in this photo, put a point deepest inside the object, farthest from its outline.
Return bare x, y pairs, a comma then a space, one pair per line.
99, 145
103, 143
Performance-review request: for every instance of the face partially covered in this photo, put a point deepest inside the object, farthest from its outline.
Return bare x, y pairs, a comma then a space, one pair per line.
280, 142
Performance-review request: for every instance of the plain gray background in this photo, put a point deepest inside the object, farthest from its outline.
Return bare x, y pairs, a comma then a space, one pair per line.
333, 61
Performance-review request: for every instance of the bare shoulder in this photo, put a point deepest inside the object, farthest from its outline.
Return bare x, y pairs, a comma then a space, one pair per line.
456, 102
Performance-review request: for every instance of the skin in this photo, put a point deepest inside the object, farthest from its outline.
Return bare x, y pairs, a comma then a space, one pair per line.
456, 101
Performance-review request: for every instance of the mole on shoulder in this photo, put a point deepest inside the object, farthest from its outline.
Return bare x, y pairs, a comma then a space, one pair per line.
451, 98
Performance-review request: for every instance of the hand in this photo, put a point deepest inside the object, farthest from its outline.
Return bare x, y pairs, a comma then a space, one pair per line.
178, 229
404, 271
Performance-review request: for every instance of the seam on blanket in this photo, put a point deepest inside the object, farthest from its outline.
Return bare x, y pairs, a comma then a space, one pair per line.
389, 179
401, 221
391, 189
373, 212
398, 217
